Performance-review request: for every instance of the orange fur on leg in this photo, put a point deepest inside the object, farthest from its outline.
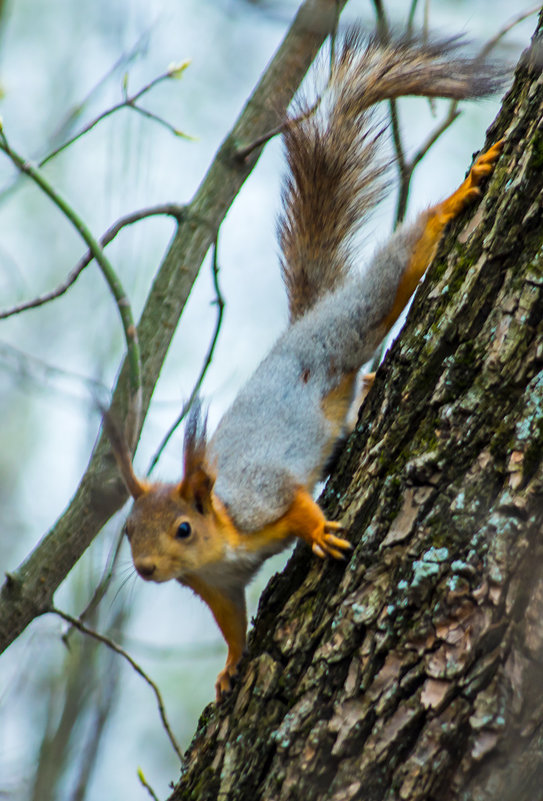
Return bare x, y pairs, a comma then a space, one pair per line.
231, 618
306, 520
436, 219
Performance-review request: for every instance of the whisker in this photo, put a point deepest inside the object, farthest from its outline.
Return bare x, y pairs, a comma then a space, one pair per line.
123, 583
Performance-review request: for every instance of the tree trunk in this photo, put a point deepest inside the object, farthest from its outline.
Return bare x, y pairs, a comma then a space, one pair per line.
415, 670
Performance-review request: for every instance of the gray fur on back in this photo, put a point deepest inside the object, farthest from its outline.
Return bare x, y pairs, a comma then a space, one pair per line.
274, 435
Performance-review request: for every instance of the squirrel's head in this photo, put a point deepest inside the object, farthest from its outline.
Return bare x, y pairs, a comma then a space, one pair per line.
174, 530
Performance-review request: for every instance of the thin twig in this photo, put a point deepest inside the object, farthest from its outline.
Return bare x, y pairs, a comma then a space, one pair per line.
397, 139
26, 365
243, 152
150, 115
411, 17
492, 42
219, 301
408, 167
111, 277
137, 49
383, 28
384, 32
128, 101
170, 209
78, 624
426, 21
77, 110
333, 39
102, 586
147, 786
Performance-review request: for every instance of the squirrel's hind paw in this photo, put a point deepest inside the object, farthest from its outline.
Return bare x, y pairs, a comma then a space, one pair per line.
469, 190
483, 167
223, 684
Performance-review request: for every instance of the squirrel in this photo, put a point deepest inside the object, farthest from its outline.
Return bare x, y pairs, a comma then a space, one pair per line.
246, 492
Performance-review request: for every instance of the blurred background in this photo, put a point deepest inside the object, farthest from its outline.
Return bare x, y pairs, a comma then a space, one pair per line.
76, 722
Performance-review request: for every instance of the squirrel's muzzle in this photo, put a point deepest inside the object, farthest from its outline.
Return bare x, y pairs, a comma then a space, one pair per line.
146, 567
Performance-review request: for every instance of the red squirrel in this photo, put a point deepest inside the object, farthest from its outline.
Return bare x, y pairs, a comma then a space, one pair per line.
248, 490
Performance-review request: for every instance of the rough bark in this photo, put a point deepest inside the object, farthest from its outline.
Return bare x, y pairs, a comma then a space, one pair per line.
415, 671
28, 592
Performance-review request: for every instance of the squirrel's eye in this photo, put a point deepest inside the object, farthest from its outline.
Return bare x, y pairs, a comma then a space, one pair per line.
183, 531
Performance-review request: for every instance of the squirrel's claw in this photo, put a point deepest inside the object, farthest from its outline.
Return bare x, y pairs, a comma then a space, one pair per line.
483, 167
336, 546
223, 684
469, 190
306, 520
338, 542
326, 544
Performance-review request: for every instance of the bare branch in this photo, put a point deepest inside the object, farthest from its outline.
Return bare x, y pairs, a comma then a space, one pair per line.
102, 585
407, 168
129, 101
138, 48
411, 16
383, 28
493, 41
78, 624
384, 31
260, 141
150, 115
170, 209
278, 129
76, 111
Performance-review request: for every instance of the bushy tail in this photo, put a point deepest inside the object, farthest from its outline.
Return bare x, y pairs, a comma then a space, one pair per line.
335, 175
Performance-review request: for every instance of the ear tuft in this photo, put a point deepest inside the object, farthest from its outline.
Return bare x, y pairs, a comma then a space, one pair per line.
122, 455
198, 479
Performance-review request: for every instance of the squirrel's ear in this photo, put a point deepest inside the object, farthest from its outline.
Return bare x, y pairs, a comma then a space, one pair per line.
195, 488
198, 479
120, 449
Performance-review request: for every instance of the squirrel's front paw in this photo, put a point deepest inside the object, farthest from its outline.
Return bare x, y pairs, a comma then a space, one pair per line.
323, 542
223, 684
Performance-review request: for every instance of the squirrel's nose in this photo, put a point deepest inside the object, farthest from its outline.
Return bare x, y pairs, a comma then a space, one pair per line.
145, 567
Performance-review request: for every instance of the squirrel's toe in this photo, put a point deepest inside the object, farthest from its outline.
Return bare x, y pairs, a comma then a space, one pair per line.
223, 684
318, 551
